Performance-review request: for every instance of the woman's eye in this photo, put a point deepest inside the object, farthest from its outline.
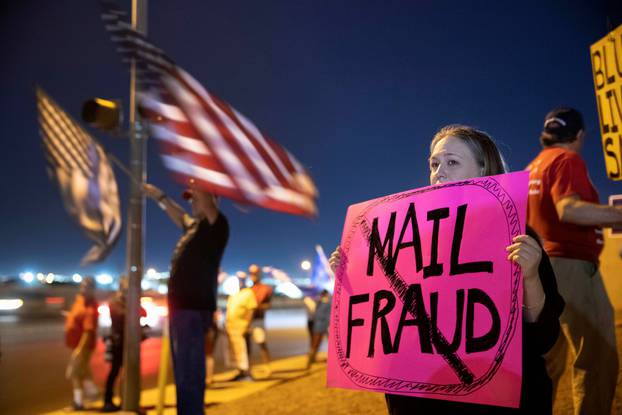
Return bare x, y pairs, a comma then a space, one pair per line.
452, 162
433, 165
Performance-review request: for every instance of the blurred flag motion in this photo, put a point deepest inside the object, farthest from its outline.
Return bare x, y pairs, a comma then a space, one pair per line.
204, 138
84, 175
322, 277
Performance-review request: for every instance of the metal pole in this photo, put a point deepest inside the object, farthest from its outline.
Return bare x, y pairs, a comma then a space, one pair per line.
135, 220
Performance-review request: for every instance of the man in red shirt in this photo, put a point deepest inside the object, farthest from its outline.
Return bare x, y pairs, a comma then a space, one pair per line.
564, 210
80, 336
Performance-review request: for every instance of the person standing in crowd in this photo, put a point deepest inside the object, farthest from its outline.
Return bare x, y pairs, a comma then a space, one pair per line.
81, 337
240, 309
459, 152
319, 328
257, 333
192, 288
114, 342
564, 210
310, 306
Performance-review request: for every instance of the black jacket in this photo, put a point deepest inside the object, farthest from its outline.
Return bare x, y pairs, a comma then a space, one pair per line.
538, 338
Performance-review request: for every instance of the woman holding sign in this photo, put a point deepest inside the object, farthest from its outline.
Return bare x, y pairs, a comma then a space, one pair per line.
460, 153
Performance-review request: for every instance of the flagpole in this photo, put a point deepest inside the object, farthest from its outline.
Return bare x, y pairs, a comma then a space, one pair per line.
123, 167
135, 250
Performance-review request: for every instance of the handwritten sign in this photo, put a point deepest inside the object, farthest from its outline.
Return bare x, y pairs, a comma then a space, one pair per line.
426, 303
607, 70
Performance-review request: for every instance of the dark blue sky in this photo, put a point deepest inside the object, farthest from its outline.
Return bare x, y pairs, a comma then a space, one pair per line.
355, 89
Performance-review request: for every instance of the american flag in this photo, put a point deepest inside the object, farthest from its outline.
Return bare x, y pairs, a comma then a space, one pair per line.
84, 175
205, 139
322, 276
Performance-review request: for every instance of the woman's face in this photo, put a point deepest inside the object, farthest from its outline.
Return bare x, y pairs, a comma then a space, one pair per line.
452, 160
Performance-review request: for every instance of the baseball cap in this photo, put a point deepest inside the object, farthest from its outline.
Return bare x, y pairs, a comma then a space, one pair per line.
563, 123
188, 192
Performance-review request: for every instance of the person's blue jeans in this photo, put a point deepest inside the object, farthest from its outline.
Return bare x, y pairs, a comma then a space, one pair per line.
187, 332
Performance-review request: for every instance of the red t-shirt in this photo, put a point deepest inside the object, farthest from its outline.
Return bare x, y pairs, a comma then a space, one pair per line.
82, 317
554, 175
263, 295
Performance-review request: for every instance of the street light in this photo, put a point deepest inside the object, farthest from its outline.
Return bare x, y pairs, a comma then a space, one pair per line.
103, 114
305, 265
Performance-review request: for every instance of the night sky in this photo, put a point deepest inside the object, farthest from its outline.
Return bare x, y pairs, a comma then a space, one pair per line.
355, 89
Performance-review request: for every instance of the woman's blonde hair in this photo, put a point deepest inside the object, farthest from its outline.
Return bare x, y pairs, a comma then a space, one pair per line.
479, 142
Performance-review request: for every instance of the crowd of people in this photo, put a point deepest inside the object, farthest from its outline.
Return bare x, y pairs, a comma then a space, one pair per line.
567, 316
193, 311
243, 325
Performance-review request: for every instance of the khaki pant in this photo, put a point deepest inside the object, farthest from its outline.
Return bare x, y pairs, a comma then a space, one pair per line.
80, 369
587, 338
238, 353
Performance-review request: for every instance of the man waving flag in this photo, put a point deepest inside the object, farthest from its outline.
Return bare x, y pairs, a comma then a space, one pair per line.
85, 178
205, 139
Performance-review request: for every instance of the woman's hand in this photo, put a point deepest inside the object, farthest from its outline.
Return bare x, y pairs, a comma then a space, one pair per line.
335, 259
527, 253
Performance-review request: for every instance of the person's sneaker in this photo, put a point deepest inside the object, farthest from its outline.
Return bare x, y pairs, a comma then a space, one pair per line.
77, 406
110, 407
242, 376
91, 393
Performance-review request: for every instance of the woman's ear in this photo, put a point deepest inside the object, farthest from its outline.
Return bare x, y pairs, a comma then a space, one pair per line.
581, 134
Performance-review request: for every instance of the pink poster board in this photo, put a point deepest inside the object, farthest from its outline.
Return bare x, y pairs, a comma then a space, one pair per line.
416, 265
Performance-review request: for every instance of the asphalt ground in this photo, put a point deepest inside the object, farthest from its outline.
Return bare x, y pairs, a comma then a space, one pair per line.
34, 358
291, 389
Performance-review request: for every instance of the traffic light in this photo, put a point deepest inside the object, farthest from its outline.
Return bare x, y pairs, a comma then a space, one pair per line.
103, 114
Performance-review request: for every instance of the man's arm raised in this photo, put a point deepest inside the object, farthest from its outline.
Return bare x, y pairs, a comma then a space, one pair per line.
172, 209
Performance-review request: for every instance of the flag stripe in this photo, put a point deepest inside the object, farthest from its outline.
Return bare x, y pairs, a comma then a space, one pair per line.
181, 166
70, 149
186, 143
262, 159
165, 110
279, 168
210, 132
207, 161
60, 119
72, 157
86, 180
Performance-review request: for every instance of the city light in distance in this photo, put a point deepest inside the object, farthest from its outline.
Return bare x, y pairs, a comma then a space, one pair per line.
28, 277
9, 304
231, 285
104, 279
